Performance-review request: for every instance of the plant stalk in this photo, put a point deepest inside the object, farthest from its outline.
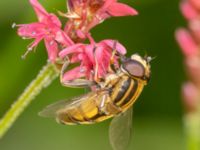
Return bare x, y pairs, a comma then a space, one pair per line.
48, 73
192, 129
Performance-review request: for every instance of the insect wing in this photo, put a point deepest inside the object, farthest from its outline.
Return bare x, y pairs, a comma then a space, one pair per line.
51, 110
120, 130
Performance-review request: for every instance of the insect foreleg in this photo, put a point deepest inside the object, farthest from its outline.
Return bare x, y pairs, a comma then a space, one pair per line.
77, 83
112, 67
64, 67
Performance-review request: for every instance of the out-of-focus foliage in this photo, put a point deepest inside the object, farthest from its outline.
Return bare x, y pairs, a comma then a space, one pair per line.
157, 115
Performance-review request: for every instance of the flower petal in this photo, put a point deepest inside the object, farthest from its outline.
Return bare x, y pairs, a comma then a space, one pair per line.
193, 68
73, 74
195, 28
186, 42
119, 9
32, 30
89, 51
75, 58
196, 3
190, 96
107, 3
119, 47
39, 10
53, 20
52, 48
71, 49
103, 60
188, 11
63, 38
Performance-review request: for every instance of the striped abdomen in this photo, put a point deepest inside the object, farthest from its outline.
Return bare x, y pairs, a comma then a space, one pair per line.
126, 92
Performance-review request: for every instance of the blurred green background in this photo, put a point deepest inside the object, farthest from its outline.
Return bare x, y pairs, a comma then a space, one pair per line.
158, 112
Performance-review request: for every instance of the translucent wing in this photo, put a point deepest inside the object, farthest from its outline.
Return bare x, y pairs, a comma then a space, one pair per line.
51, 110
120, 130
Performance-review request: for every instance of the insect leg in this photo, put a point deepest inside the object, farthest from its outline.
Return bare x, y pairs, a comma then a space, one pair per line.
102, 101
77, 83
112, 67
106, 106
96, 67
114, 109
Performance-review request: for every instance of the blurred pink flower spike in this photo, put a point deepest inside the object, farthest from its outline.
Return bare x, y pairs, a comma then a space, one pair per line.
188, 11
48, 28
89, 13
189, 41
193, 69
185, 40
190, 95
194, 26
195, 3
94, 59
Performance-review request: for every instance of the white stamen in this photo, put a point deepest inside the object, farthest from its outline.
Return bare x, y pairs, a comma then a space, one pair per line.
14, 25
26, 53
23, 56
30, 49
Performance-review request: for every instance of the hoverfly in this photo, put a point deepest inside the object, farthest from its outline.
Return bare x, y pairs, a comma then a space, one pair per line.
113, 97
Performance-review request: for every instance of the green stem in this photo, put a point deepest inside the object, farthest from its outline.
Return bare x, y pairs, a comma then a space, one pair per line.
48, 73
192, 129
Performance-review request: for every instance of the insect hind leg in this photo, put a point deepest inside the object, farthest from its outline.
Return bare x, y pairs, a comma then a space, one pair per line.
107, 107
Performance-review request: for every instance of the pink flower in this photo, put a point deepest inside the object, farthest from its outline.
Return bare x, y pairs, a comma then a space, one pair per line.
85, 14
48, 28
186, 42
194, 26
188, 11
94, 59
189, 41
195, 3
193, 69
190, 96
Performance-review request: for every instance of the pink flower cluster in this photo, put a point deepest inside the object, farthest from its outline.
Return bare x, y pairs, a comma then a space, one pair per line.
93, 58
189, 41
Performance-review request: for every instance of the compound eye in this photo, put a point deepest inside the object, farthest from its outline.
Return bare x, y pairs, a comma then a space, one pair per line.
134, 68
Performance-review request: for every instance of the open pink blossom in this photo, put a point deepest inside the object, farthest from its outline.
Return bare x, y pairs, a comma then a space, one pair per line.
48, 28
94, 59
85, 14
